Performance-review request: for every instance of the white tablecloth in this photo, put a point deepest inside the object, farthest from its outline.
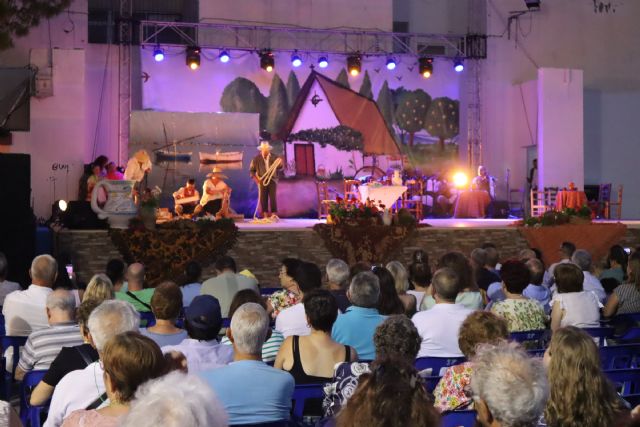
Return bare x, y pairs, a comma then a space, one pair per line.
385, 195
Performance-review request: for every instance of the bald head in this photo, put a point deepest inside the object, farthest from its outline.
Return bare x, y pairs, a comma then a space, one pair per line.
536, 269
61, 306
44, 270
446, 284
135, 276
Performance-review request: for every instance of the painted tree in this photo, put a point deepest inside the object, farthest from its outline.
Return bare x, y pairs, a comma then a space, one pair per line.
18, 17
411, 112
365, 88
443, 119
385, 104
343, 78
293, 88
277, 106
243, 96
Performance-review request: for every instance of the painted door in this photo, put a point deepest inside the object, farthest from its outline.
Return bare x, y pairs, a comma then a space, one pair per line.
305, 160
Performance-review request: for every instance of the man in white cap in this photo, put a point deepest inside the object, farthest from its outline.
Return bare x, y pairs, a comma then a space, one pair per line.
138, 166
264, 169
214, 190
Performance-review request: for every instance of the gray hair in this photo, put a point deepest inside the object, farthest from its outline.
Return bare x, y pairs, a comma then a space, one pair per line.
527, 254
582, 259
400, 276
512, 384
479, 257
176, 400
111, 318
338, 272
62, 300
44, 268
493, 257
249, 326
364, 290
4, 266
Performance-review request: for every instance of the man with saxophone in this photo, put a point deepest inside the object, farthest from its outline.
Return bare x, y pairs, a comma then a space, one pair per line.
264, 171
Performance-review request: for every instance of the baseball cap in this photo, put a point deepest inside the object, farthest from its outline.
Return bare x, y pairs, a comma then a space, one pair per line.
204, 312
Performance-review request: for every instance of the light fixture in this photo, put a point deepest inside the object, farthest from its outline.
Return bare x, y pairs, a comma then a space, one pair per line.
323, 62
425, 67
62, 205
458, 65
158, 54
354, 64
224, 56
460, 179
193, 57
267, 62
391, 63
296, 61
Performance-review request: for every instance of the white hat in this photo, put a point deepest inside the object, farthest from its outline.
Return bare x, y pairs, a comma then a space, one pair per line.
217, 172
265, 145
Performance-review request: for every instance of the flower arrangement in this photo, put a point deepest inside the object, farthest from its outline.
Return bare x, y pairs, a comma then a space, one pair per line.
566, 216
354, 210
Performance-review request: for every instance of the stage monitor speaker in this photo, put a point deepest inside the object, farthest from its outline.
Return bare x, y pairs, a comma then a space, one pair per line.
15, 187
500, 209
80, 216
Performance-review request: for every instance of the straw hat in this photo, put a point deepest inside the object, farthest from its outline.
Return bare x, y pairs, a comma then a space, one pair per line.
216, 171
265, 145
142, 156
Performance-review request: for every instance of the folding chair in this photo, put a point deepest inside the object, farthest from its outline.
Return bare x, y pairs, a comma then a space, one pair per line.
269, 291
601, 333
15, 343
437, 363
628, 380
30, 415
624, 356
431, 382
304, 392
539, 336
147, 319
465, 418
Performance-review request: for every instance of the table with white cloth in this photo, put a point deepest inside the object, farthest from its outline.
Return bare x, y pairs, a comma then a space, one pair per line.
385, 195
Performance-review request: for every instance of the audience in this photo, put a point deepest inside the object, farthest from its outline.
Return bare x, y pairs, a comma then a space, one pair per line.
116, 272
272, 345
401, 282
201, 348
191, 287
493, 258
227, 283
175, 400
469, 294
85, 389
248, 382
626, 298
419, 277
129, 360
99, 288
509, 387
571, 305
136, 293
388, 302
439, 326
6, 287
483, 276
520, 312
292, 320
580, 393
166, 305
43, 345
566, 252
535, 290
582, 259
357, 326
290, 293
480, 327
338, 276
616, 265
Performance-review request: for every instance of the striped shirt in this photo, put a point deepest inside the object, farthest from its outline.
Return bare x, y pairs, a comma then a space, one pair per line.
269, 348
628, 298
43, 346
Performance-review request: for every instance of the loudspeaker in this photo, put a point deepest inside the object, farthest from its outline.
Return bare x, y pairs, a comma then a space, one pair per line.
80, 216
15, 186
500, 209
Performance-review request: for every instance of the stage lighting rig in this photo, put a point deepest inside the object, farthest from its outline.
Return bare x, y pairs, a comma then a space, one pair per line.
323, 62
296, 60
458, 65
193, 57
354, 64
391, 63
267, 62
158, 54
425, 67
224, 56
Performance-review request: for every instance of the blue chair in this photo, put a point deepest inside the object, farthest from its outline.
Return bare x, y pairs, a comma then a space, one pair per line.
624, 356
269, 291
283, 423
465, 418
538, 336
2, 328
601, 333
631, 334
536, 352
628, 380
226, 322
30, 415
15, 343
304, 392
633, 399
633, 317
147, 319
437, 363
431, 382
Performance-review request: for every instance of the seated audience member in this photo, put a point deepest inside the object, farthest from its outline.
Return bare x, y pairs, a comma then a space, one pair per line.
175, 400
493, 258
202, 350
113, 173
509, 387
290, 293
626, 298
129, 360
521, 313
396, 337
43, 345
582, 259
359, 267
616, 265
338, 281
419, 277
227, 283
401, 282
566, 252
248, 382
116, 271
70, 358
535, 290
438, 327
481, 327
389, 302
6, 287
580, 393
99, 288
391, 394
166, 304
571, 305
85, 389
25, 311
8, 415
136, 293
292, 320
483, 276
272, 344
469, 294
191, 286
356, 327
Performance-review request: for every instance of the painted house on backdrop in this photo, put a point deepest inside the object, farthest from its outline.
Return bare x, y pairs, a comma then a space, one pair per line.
333, 129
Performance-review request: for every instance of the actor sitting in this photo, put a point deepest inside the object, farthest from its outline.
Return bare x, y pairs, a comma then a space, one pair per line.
186, 198
214, 191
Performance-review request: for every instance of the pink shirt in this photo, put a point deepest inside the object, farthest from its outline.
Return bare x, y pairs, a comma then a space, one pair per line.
92, 418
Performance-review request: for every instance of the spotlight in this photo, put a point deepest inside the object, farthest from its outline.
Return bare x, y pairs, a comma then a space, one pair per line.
224, 56
425, 67
267, 62
296, 61
323, 62
458, 65
62, 205
391, 64
460, 179
354, 64
158, 54
193, 57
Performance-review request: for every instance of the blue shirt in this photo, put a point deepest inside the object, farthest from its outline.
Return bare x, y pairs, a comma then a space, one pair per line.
540, 294
189, 292
252, 391
164, 339
356, 328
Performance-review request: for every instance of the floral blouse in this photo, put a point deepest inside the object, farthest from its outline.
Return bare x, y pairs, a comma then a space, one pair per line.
450, 392
281, 300
345, 382
521, 314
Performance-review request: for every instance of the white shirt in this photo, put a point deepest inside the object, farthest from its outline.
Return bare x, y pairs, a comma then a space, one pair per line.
293, 321
438, 328
581, 309
134, 171
25, 311
202, 355
591, 283
6, 287
419, 296
208, 185
77, 390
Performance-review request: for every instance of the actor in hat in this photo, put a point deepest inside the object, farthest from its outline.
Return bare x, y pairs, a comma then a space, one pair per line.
186, 192
214, 190
264, 173
138, 166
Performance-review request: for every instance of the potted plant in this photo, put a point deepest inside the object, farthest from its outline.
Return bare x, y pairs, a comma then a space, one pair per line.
149, 203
